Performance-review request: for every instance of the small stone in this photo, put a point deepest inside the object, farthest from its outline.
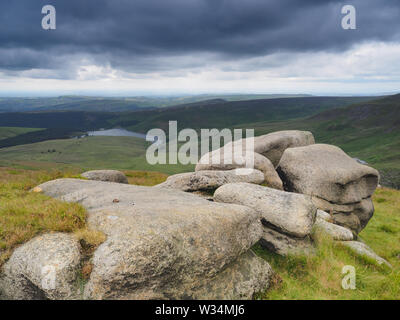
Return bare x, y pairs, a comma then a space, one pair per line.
333, 230
324, 215
45, 267
363, 250
106, 175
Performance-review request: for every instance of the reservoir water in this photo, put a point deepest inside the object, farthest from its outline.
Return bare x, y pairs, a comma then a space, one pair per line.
117, 133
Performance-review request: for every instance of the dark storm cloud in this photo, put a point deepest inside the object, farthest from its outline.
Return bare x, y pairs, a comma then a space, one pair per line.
134, 35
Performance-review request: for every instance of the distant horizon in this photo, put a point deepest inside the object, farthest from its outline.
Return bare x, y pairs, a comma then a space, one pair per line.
159, 95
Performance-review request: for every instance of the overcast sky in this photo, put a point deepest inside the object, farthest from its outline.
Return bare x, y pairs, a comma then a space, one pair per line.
132, 47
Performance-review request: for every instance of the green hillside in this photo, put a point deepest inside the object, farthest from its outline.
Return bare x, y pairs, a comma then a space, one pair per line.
230, 113
369, 131
10, 132
123, 153
214, 113
95, 104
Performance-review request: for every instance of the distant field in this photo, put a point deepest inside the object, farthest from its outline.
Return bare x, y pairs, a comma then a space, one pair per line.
379, 149
82, 103
123, 153
10, 132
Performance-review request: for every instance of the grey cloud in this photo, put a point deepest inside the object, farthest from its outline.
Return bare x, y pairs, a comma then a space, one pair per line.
138, 36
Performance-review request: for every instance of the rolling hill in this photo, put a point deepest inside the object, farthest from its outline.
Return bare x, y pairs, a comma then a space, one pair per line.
368, 130
226, 114
214, 113
102, 104
10, 132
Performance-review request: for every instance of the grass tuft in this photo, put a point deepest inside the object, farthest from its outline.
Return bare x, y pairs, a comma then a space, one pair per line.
145, 178
25, 214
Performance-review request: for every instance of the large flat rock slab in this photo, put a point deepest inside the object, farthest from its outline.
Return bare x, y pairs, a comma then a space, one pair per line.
159, 240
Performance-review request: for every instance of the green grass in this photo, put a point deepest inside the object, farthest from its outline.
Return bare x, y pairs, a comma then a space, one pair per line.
320, 276
24, 214
145, 178
10, 132
121, 153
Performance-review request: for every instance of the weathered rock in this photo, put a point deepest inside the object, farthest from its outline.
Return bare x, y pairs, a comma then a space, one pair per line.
364, 211
217, 160
211, 180
241, 279
284, 244
336, 182
208, 195
324, 215
354, 216
273, 145
333, 230
290, 213
46, 267
347, 220
325, 171
326, 223
162, 243
106, 175
363, 250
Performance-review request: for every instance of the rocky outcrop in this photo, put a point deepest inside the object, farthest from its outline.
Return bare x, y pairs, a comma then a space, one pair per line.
106, 175
289, 214
169, 242
336, 182
211, 180
166, 244
217, 160
46, 267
